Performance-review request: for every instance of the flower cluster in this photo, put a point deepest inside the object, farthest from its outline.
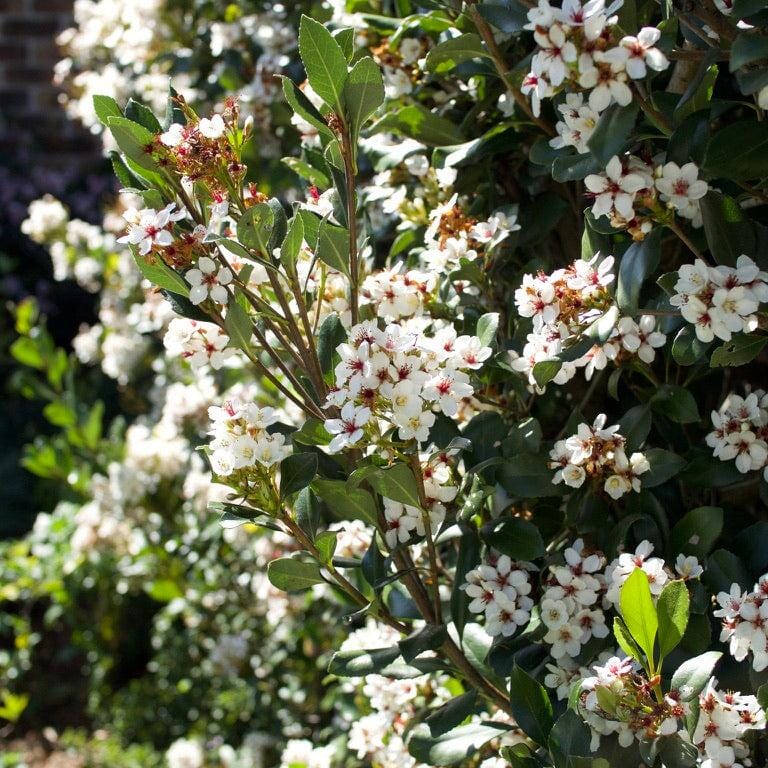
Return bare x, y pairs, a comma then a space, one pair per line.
745, 622
618, 699
397, 295
570, 605
720, 301
200, 344
241, 441
402, 376
597, 453
561, 306
633, 193
725, 718
578, 47
500, 589
741, 432
402, 521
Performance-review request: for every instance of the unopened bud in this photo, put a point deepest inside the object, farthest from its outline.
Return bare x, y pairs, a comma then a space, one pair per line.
247, 126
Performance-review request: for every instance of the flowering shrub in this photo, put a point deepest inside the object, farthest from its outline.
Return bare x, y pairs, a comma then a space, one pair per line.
536, 568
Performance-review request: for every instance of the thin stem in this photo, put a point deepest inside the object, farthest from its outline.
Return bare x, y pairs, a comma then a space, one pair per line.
433, 564
342, 582
685, 239
354, 267
657, 117
503, 70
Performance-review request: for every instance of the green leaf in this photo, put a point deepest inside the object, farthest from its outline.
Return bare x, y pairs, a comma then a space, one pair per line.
638, 263
333, 247
106, 107
428, 638
518, 538
612, 132
677, 753
345, 502
697, 532
326, 545
687, 348
676, 403
255, 228
363, 92
724, 569
449, 54
359, 663
238, 325
635, 425
748, 48
487, 327
740, 350
396, 482
296, 472
506, 15
569, 740
531, 706
726, 227
625, 640
739, 151
673, 609
451, 714
417, 122
528, 476
293, 575
574, 167
309, 172
324, 62
467, 559
345, 37
692, 676
142, 115
664, 465
160, 274
545, 371
455, 745
312, 432
639, 612
304, 108
330, 335
134, 140
291, 247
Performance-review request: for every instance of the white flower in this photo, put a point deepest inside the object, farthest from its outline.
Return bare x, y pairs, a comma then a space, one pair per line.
680, 185
149, 227
399, 523
638, 53
185, 753
349, 428
688, 567
615, 190
208, 279
212, 128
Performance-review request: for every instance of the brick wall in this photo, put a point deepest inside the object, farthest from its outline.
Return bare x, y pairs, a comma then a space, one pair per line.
33, 126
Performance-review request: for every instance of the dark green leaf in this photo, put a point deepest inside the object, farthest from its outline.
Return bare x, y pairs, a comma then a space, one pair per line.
362, 662
676, 403
449, 54
293, 575
417, 122
454, 746
237, 323
333, 247
740, 350
612, 132
531, 706
638, 263
664, 465
518, 538
296, 472
697, 532
738, 151
345, 502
